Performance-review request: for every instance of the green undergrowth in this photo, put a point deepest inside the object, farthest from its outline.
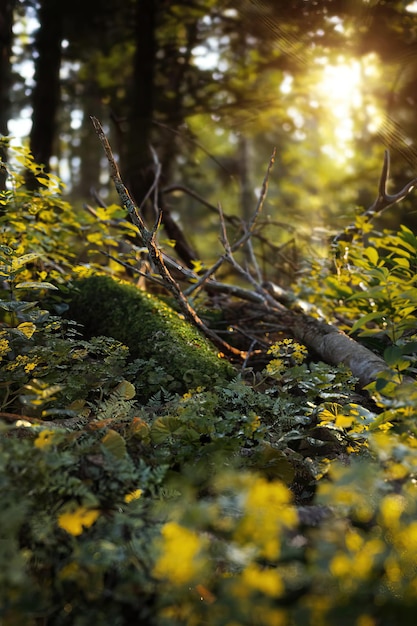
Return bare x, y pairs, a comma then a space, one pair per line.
145, 481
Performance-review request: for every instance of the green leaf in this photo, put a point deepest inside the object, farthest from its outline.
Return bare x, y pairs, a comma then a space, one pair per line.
337, 288
114, 443
402, 262
125, 390
392, 355
13, 306
26, 258
164, 427
362, 321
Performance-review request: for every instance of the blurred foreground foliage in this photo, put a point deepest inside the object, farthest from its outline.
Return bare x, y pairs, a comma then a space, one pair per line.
281, 498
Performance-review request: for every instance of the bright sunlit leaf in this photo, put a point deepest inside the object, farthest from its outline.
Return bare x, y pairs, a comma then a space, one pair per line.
34, 285
44, 439
27, 329
133, 495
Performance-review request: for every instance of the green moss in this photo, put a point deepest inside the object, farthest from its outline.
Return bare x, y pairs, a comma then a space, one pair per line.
175, 355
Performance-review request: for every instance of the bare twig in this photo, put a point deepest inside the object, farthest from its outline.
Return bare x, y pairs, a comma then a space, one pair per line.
134, 269
382, 202
249, 353
247, 233
384, 199
14, 417
253, 260
96, 196
264, 188
228, 256
153, 189
155, 254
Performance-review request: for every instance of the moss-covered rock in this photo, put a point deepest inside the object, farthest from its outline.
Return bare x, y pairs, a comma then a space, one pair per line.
172, 354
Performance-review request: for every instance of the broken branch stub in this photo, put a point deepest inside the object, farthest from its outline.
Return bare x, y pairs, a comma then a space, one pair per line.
382, 202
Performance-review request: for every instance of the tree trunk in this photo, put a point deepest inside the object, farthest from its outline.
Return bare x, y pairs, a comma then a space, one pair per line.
138, 168
46, 92
89, 149
6, 37
139, 162
328, 342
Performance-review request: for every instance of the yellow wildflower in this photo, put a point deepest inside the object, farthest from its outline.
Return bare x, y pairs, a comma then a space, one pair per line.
268, 581
179, 561
267, 510
133, 495
74, 522
44, 439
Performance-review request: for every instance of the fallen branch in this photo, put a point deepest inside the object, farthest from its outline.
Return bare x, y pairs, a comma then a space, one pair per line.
328, 342
155, 254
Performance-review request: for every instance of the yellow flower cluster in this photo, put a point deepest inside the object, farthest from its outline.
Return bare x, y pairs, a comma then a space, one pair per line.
44, 439
23, 361
267, 511
180, 560
75, 521
4, 346
133, 495
265, 580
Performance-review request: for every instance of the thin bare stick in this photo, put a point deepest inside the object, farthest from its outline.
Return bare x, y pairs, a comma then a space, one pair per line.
153, 189
205, 277
232, 219
124, 195
247, 233
155, 254
384, 199
249, 353
267, 298
133, 269
254, 261
262, 197
264, 189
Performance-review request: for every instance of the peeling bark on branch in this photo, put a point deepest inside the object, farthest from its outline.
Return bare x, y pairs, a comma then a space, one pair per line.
334, 347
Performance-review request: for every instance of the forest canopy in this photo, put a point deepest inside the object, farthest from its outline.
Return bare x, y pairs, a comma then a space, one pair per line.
213, 87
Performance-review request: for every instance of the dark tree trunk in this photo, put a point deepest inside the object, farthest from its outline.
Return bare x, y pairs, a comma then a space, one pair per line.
6, 37
138, 170
46, 93
89, 150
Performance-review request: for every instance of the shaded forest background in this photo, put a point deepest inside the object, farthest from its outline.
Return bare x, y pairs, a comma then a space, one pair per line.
211, 87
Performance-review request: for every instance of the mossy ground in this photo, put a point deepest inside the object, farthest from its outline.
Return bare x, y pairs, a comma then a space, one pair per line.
170, 351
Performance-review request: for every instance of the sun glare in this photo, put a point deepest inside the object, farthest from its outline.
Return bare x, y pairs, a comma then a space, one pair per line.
339, 93
340, 85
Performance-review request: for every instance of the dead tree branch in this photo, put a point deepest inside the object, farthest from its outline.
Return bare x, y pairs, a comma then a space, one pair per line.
328, 342
155, 254
382, 202
248, 229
